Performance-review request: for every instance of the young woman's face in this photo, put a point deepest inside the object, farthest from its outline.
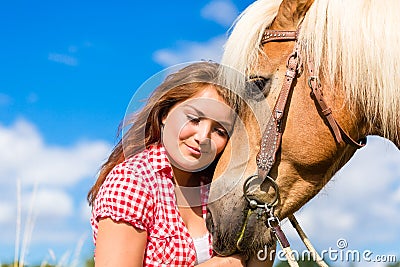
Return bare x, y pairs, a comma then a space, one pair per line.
197, 130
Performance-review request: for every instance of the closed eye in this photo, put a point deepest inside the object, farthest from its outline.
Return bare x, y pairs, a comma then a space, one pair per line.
193, 119
221, 132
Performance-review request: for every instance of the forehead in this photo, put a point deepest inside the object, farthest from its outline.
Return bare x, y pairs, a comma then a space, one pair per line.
208, 103
210, 92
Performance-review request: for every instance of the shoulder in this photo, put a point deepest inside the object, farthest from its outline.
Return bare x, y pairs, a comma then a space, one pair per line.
130, 173
128, 193
140, 170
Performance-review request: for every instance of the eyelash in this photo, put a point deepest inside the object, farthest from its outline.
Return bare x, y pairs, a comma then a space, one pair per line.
196, 120
193, 119
221, 132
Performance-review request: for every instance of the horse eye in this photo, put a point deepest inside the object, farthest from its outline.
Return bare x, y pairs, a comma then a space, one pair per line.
257, 87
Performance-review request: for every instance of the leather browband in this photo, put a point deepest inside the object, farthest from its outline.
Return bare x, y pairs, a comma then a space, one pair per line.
273, 35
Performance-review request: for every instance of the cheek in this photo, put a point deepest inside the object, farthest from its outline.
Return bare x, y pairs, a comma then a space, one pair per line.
177, 126
186, 131
220, 143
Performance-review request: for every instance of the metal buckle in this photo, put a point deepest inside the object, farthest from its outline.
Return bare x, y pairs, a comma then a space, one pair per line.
273, 222
313, 79
293, 55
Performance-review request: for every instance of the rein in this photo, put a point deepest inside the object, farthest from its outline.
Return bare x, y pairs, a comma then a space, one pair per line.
271, 142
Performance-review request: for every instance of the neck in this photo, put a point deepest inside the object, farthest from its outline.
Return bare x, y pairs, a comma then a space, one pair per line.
185, 178
187, 188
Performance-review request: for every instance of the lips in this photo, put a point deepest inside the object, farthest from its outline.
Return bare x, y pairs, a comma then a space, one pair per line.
194, 150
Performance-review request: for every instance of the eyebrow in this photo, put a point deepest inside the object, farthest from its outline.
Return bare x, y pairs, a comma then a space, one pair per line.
226, 124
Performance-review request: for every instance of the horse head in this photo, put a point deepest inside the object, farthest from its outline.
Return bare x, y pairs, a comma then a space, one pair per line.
359, 84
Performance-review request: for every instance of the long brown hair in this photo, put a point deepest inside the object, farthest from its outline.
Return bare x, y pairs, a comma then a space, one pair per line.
147, 123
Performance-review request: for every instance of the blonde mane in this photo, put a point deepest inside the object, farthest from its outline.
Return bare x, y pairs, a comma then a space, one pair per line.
350, 41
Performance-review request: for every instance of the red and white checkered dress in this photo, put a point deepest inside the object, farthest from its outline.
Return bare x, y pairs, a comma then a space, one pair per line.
140, 191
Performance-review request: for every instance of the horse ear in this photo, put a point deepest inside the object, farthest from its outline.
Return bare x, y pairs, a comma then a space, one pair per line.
290, 14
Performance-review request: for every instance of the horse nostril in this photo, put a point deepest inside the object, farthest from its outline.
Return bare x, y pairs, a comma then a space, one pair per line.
209, 222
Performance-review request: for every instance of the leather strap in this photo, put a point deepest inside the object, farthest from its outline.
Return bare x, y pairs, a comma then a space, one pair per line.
290, 75
272, 136
272, 35
338, 132
280, 235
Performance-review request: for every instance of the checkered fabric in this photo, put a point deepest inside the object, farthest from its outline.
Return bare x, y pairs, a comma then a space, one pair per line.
140, 191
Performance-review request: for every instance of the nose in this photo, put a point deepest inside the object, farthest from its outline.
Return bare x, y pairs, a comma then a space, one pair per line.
203, 133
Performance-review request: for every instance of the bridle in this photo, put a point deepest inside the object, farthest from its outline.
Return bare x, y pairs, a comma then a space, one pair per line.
271, 142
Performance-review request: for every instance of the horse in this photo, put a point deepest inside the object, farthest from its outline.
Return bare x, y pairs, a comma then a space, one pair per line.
347, 58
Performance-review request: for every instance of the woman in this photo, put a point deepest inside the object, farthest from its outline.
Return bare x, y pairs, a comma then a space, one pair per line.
174, 142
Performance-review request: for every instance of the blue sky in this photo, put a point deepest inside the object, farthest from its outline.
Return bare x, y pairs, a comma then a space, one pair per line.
68, 72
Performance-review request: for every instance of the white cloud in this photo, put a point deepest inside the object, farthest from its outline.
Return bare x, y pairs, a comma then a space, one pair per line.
49, 203
25, 156
7, 212
85, 211
63, 59
220, 11
396, 196
31, 160
361, 204
191, 51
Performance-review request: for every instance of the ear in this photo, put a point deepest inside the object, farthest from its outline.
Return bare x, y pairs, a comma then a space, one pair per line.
290, 14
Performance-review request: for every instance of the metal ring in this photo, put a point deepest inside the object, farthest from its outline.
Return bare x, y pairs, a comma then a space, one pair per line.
259, 203
313, 78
